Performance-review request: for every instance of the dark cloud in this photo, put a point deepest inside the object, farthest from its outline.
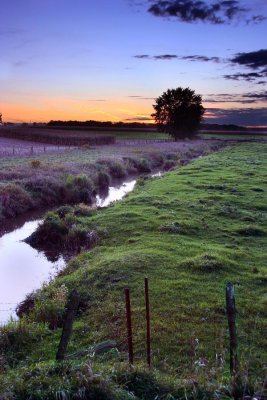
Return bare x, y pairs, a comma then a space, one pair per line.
230, 101
239, 116
201, 58
249, 77
175, 56
142, 56
254, 59
218, 12
244, 98
97, 100
165, 57
139, 119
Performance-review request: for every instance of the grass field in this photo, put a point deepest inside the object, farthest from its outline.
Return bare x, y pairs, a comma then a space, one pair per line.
190, 232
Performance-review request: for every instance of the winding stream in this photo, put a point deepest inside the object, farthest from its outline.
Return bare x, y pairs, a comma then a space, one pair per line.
24, 269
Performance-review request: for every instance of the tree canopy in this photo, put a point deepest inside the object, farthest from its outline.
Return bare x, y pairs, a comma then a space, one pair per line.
178, 112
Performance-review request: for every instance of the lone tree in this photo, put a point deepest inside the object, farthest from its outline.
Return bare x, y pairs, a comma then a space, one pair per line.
178, 112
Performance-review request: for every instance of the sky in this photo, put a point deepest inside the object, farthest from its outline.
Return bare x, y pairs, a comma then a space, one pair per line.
109, 59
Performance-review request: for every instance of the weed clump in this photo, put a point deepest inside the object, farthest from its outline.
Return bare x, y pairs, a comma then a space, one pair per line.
80, 188
179, 228
102, 180
115, 168
61, 230
204, 263
35, 164
250, 230
14, 200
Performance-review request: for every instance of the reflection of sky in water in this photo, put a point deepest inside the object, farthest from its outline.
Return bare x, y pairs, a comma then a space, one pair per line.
115, 193
22, 268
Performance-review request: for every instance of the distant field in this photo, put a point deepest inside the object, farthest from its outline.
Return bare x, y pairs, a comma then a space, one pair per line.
57, 136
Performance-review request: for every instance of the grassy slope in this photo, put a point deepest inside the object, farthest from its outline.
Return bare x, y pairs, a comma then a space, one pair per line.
212, 199
190, 232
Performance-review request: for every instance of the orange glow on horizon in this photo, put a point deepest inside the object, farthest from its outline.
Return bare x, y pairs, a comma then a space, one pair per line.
44, 110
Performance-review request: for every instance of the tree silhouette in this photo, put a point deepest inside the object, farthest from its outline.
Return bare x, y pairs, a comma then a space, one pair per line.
178, 112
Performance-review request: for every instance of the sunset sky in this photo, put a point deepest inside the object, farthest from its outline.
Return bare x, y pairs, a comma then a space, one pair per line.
109, 59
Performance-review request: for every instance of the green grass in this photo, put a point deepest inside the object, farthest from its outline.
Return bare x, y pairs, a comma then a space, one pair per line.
190, 232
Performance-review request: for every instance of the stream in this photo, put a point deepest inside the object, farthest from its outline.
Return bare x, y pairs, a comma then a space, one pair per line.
24, 269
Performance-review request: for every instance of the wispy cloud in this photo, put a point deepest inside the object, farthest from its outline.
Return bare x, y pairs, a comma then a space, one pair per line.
11, 32
244, 98
167, 57
138, 119
240, 116
142, 97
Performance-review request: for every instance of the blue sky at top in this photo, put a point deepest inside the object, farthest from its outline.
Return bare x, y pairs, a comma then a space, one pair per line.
60, 58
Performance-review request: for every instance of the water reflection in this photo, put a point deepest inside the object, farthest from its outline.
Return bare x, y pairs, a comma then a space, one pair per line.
22, 268
115, 193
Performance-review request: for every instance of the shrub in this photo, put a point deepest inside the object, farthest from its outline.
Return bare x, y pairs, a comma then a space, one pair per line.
80, 188
143, 165
83, 210
17, 337
62, 233
49, 306
35, 163
46, 190
117, 170
103, 180
14, 200
168, 165
177, 228
204, 263
250, 230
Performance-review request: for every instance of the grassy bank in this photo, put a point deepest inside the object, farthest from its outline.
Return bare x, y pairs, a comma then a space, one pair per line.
189, 232
28, 183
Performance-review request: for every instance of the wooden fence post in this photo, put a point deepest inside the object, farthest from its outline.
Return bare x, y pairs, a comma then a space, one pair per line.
231, 317
71, 309
129, 325
148, 345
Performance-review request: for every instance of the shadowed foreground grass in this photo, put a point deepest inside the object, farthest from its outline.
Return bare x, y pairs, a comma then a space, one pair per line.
190, 232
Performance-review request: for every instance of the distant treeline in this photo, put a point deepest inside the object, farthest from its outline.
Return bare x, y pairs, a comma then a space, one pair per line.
218, 127
101, 124
134, 125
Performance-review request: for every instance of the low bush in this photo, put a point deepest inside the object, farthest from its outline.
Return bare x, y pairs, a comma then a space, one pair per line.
102, 180
204, 263
80, 188
181, 228
17, 337
35, 163
46, 190
169, 164
14, 200
61, 230
49, 306
143, 165
250, 230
